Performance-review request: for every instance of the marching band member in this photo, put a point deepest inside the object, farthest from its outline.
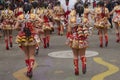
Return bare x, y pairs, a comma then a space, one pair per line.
78, 39
26, 37
7, 17
102, 23
116, 20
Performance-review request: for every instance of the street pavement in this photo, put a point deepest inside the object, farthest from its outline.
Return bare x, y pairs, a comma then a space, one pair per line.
104, 66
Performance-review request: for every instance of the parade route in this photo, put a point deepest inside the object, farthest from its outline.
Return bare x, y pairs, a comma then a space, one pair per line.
21, 74
102, 66
111, 69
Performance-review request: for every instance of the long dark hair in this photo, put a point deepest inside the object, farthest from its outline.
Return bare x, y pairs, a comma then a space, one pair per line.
79, 8
27, 8
34, 4
102, 5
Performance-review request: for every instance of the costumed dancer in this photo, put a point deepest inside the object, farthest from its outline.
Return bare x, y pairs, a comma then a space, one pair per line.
47, 26
59, 17
51, 15
26, 37
19, 10
116, 20
7, 17
35, 10
78, 39
1, 8
66, 17
102, 23
87, 15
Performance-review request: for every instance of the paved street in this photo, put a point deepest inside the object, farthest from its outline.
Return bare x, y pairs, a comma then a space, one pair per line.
104, 66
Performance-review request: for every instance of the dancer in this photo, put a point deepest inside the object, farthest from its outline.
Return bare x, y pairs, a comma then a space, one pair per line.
26, 37
19, 10
58, 17
116, 20
102, 23
78, 39
7, 17
47, 26
35, 11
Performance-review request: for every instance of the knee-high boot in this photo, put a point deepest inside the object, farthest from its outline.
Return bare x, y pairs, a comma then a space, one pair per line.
83, 60
101, 41
10, 39
30, 64
68, 34
58, 30
48, 41
118, 36
6, 42
44, 40
61, 30
28, 67
76, 68
106, 40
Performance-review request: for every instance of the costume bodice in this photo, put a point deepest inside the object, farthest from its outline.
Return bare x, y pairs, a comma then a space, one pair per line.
58, 10
101, 12
117, 9
7, 14
73, 16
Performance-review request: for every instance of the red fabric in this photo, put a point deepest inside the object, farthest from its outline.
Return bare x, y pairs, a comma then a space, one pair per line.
19, 13
45, 44
68, 34
76, 66
6, 41
101, 41
67, 13
46, 19
29, 64
117, 11
118, 37
106, 38
94, 4
83, 59
67, 2
10, 38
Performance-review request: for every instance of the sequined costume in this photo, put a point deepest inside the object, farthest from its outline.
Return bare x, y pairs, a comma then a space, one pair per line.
86, 19
101, 21
27, 34
79, 33
18, 11
116, 18
7, 19
46, 22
